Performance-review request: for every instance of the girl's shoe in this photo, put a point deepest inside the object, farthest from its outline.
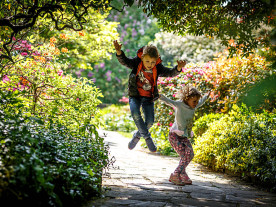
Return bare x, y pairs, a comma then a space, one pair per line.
175, 179
185, 179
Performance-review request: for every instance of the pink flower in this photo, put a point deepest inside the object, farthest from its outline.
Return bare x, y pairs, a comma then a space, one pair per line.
102, 65
24, 53
77, 99
5, 79
158, 124
174, 95
171, 113
124, 99
171, 124
60, 72
189, 75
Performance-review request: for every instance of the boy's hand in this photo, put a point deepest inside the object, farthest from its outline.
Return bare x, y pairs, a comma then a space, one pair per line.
181, 64
117, 47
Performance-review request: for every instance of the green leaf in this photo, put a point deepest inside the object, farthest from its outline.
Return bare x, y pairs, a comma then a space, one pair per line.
129, 2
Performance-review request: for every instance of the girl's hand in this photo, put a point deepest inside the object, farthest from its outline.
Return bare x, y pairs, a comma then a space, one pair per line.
181, 64
117, 47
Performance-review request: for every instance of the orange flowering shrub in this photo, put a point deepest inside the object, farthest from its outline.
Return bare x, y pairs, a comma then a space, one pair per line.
47, 91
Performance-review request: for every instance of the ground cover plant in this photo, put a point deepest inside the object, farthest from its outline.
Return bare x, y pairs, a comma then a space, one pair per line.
46, 165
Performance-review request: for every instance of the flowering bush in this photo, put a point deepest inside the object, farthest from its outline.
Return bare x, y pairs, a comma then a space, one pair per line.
227, 79
48, 92
124, 100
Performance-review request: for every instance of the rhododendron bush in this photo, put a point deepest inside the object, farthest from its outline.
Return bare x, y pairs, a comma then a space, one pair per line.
227, 79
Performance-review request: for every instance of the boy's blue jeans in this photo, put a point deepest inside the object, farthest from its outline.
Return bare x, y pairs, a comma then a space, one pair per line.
143, 126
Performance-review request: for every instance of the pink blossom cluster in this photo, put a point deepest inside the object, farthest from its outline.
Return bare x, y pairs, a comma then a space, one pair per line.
124, 99
19, 86
22, 46
5, 79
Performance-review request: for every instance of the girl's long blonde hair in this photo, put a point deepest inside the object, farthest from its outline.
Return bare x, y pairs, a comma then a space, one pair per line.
186, 92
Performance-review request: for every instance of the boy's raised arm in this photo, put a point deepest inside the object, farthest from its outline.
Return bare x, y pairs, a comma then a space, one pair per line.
117, 47
130, 63
171, 72
181, 64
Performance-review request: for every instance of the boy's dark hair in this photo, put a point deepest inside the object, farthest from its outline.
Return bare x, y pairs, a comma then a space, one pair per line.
151, 51
187, 92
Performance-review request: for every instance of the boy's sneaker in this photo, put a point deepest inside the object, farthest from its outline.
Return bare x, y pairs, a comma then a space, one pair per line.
133, 142
150, 144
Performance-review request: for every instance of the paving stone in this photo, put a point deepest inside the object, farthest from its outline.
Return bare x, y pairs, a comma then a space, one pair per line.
140, 178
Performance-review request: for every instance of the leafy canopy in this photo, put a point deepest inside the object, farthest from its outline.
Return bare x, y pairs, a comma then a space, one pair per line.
225, 19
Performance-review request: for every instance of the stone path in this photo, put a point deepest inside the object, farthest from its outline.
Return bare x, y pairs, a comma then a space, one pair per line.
140, 178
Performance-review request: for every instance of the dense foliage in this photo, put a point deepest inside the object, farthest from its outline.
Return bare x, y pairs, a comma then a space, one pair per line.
51, 149
46, 165
87, 47
241, 141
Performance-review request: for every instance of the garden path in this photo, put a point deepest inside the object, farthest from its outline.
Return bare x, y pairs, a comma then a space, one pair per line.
140, 178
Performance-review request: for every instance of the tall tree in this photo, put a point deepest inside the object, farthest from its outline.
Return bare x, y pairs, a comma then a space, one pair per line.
17, 17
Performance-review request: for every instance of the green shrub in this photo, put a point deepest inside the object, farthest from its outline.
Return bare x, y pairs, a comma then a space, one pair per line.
242, 142
46, 166
118, 118
203, 123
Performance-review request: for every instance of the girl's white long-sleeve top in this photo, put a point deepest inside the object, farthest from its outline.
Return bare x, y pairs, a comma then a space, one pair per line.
184, 115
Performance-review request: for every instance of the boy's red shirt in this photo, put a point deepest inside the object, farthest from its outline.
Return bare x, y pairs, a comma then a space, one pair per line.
140, 84
152, 77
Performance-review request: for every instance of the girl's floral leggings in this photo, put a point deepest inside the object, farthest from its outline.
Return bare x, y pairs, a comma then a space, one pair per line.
184, 149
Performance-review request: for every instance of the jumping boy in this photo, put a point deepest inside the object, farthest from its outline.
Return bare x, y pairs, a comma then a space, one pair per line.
146, 67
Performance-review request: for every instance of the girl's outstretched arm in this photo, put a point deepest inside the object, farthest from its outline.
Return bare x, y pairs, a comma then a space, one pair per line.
167, 101
203, 99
